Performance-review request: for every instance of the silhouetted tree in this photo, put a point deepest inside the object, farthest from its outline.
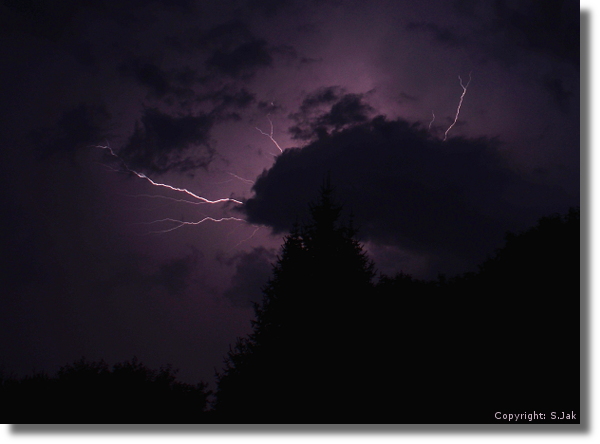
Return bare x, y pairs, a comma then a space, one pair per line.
302, 361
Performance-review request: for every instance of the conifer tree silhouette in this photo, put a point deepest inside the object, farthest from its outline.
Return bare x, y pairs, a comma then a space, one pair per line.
296, 365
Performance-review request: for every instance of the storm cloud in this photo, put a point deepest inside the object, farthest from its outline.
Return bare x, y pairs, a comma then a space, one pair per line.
235, 51
252, 271
159, 81
508, 31
453, 199
162, 142
328, 109
175, 275
77, 128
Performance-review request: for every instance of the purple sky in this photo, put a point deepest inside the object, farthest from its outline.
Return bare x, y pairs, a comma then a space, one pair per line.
178, 89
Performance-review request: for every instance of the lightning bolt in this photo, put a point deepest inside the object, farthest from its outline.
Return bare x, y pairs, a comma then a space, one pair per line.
270, 134
464, 88
200, 199
248, 181
180, 223
160, 196
432, 113
256, 228
196, 199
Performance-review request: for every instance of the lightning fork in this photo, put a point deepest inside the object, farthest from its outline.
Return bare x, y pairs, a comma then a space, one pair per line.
256, 228
183, 223
248, 181
464, 87
164, 185
270, 135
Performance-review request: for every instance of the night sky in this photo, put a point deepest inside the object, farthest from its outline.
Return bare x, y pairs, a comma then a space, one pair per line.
100, 101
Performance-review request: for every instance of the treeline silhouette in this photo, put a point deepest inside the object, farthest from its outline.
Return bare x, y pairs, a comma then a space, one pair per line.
334, 343
331, 346
94, 393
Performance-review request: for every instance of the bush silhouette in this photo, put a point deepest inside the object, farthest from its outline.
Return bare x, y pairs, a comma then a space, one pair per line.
92, 392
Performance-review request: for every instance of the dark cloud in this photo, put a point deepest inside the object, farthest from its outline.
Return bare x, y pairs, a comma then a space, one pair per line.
549, 26
309, 60
231, 49
148, 75
242, 60
184, 6
227, 98
226, 35
442, 35
561, 95
78, 127
55, 21
252, 271
350, 109
328, 109
286, 52
404, 97
43, 18
510, 31
162, 142
84, 52
234, 50
185, 84
157, 277
322, 96
176, 275
22, 261
158, 81
452, 199
269, 107
465, 7
270, 7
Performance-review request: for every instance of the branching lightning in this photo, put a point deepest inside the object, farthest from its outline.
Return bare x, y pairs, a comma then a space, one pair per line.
270, 134
180, 223
235, 176
196, 198
464, 87
256, 228
169, 198
164, 185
